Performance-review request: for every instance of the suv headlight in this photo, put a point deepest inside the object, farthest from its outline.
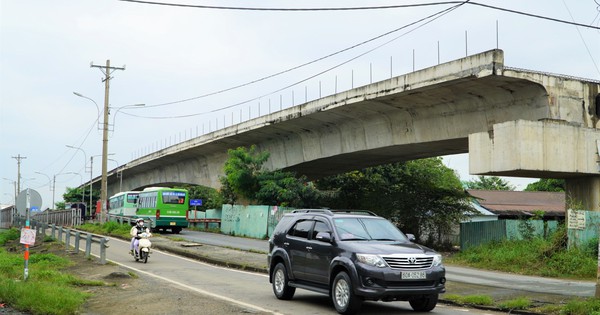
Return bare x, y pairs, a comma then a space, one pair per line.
371, 260
437, 260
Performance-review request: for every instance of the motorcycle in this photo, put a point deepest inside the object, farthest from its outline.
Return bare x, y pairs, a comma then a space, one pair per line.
143, 247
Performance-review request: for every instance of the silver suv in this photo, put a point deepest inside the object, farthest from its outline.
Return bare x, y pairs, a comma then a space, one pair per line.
352, 256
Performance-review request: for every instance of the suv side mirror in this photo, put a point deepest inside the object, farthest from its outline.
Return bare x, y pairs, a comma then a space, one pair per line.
411, 237
323, 237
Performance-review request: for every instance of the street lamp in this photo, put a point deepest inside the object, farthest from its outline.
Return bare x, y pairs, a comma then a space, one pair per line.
104, 147
119, 174
91, 175
106, 112
123, 107
97, 107
84, 166
54, 185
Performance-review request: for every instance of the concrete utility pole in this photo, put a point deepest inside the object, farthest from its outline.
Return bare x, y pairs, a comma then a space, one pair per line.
107, 70
19, 158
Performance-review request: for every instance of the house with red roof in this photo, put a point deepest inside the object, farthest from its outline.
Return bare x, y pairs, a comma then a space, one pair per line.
508, 204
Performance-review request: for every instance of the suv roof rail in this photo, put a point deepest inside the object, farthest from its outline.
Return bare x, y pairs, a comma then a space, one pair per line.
367, 212
327, 211
332, 212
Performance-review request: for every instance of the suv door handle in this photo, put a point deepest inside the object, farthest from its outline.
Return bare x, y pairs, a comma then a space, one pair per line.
286, 244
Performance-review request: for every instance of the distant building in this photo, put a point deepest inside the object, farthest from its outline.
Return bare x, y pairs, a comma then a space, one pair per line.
521, 204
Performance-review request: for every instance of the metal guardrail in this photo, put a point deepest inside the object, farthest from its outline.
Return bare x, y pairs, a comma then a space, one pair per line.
64, 235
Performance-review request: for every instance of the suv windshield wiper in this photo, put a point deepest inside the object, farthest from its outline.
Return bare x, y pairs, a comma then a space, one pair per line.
384, 239
355, 239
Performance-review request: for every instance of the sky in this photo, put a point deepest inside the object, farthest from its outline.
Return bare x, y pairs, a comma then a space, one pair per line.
199, 69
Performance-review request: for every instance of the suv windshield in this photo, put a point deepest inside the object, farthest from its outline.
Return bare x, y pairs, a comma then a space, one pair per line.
353, 229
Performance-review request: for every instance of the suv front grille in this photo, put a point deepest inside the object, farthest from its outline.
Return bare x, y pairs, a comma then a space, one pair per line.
409, 262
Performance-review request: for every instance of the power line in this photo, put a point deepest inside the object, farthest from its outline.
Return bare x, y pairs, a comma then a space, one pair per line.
293, 68
433, 17
318, 59
356, 9
290, 9
582, 39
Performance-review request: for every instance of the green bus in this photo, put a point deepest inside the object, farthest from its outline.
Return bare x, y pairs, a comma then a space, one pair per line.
123, 203
164, 207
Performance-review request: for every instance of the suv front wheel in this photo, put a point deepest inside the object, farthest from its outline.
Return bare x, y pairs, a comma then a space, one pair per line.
342, 295
280, 283
424, 304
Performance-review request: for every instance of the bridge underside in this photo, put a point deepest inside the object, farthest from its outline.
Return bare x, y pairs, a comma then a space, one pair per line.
431, 112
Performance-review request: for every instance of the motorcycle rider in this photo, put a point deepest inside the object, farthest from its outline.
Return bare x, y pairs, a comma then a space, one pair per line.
135, 232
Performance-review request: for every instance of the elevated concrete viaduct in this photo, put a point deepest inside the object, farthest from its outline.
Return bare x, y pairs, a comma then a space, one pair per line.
512, 122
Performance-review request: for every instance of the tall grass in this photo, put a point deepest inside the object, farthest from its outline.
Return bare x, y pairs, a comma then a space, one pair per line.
108, 228
537, 256
47, 290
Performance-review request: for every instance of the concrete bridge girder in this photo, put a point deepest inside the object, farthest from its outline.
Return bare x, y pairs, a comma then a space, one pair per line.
426, 113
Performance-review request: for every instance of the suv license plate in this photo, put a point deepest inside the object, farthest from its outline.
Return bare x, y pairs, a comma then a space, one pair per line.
172, 223
413, 275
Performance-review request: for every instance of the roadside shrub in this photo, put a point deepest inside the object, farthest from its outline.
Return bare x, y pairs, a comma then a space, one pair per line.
516, 304
9, 235
582, 307
590, 248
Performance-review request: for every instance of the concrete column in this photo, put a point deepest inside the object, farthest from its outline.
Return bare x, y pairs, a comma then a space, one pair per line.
584, 192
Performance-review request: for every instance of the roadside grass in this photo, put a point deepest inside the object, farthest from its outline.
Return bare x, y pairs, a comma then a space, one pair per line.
47, 289
521, 303
536, 256
109, 228
482, 300
590, 306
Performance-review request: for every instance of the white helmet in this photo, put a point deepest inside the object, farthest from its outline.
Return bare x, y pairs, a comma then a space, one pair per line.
139, 221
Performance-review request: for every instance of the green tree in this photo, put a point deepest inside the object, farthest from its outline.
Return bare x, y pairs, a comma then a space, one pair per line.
60, 205
211, 199
284, 189
489, 183
547, 184
245, 178
242, 169
74, 194
423, 197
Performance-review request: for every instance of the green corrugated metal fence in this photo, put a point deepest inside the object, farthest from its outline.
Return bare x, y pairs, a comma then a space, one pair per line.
478, 233
580, 235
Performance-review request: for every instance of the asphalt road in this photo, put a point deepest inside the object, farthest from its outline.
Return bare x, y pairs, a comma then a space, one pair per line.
453, 273
246, 289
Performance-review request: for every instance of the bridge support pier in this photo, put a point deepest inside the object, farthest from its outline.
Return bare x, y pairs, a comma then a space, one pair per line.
544, 149
583, 193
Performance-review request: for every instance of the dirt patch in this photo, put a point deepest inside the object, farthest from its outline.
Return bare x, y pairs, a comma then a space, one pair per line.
126, 291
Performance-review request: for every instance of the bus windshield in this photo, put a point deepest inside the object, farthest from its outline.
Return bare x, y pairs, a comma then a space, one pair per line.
173, 197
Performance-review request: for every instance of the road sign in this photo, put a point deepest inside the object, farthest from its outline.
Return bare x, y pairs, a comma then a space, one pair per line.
35, 200
195, 202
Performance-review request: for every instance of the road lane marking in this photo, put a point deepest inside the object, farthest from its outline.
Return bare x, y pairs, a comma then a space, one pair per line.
214, 295
201, 262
